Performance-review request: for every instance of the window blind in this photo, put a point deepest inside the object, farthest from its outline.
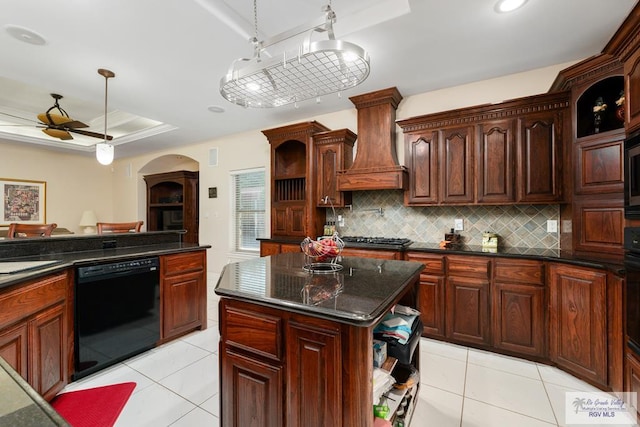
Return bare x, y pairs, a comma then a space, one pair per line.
249, 209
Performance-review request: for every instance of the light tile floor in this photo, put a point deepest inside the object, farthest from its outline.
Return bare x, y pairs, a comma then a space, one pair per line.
177, 385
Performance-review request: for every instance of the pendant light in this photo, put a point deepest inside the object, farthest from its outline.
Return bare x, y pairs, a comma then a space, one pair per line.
104, 150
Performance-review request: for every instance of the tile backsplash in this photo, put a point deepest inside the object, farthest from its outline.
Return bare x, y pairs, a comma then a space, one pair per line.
517, 225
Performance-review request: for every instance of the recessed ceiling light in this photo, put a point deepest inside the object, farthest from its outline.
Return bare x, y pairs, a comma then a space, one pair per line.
504, 6
215, 109
25, 35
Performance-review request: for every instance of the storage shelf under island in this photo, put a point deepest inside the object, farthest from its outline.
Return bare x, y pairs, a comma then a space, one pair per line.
288, 359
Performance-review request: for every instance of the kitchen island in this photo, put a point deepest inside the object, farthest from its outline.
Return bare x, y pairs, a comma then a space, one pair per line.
296, 348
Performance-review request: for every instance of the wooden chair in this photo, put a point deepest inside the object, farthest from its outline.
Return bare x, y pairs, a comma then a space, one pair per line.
119, 227
30, 230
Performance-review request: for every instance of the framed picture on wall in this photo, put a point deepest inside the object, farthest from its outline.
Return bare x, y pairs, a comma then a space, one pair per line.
23, 201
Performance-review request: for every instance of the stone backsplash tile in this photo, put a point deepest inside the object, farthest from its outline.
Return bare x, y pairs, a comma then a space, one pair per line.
517, 225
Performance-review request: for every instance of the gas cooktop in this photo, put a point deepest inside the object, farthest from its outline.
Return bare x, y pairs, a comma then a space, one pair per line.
375, 241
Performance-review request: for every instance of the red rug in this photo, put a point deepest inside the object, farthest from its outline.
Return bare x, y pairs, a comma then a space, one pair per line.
93, 407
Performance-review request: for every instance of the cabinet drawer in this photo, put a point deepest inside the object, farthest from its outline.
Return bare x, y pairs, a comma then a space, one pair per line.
517, 270
468, 266
182, 262
434, 264
250, 330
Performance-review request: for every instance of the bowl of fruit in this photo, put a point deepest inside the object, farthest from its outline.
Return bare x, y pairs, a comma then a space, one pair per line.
321, 254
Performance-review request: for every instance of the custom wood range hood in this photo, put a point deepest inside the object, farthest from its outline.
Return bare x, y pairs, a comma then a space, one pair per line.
376, 164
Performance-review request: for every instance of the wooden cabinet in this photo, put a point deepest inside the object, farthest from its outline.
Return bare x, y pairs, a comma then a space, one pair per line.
36, 335
467, 300
294, 194
372, 253
495, 154
172, 203
632, 377
183, 293
518, 307
334, 152
273, 248
540, 160
431, 293
632, 90
577, 323
506, 153
597, 140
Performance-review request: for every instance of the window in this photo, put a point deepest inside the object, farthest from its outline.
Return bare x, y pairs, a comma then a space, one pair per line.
249, 209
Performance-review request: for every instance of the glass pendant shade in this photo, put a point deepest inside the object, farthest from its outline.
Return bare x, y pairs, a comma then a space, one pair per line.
104, 153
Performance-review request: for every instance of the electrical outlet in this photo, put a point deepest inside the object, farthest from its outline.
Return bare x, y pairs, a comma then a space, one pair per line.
552, 226
458, 224
340, 221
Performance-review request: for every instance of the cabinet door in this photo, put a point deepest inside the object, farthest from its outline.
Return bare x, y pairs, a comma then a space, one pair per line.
421, 158
431, 305
599, 166
467, 318
599, 226
539, 168
495, 162
632, 91
48, 349
456, 165
251, 391
577, 326
295, 219
182, 295
13, 348
279, 220
518, 318
632, 377
314, 388
269, 248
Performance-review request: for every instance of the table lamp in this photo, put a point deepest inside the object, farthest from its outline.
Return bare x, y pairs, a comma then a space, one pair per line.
88, 221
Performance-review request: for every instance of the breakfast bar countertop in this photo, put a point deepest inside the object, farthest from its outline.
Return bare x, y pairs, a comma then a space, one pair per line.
358, 294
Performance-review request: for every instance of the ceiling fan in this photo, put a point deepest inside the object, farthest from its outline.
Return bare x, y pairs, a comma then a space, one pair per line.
60, 125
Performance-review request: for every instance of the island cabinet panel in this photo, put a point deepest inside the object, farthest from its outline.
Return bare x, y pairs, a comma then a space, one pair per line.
36, 335
314, 372
256, 397
578, 327
495, 154
183, 293
457, 165
518, 307
431, 293
467, 300
539, 154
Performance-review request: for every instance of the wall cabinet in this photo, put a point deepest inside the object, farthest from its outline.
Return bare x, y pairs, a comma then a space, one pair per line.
578, 324
183, 293
172, 203
294, 194
36, 332
518, 307
505, 153
334, 152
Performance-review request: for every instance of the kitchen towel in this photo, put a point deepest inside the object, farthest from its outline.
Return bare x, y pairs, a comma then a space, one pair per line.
93, 407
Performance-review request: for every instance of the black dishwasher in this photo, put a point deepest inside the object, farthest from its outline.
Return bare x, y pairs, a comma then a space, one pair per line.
117, 312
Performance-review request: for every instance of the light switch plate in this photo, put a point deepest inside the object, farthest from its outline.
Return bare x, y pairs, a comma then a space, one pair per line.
458, 224
552, 226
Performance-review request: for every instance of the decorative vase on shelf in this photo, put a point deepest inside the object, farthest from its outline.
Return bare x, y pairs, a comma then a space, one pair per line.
598, 109
620, 109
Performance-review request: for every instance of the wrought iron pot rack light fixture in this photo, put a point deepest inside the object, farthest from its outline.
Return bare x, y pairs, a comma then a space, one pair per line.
317, 68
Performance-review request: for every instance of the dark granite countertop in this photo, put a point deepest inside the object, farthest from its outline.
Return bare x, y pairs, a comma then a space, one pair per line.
366, 287
615, 266
20, 405
77, 251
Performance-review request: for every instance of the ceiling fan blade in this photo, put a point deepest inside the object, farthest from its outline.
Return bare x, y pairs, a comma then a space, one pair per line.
89, 133
53, 119
75, 124
58, 133
18, 117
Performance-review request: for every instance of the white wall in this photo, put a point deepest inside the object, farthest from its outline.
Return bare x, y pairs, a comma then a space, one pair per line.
75, 183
